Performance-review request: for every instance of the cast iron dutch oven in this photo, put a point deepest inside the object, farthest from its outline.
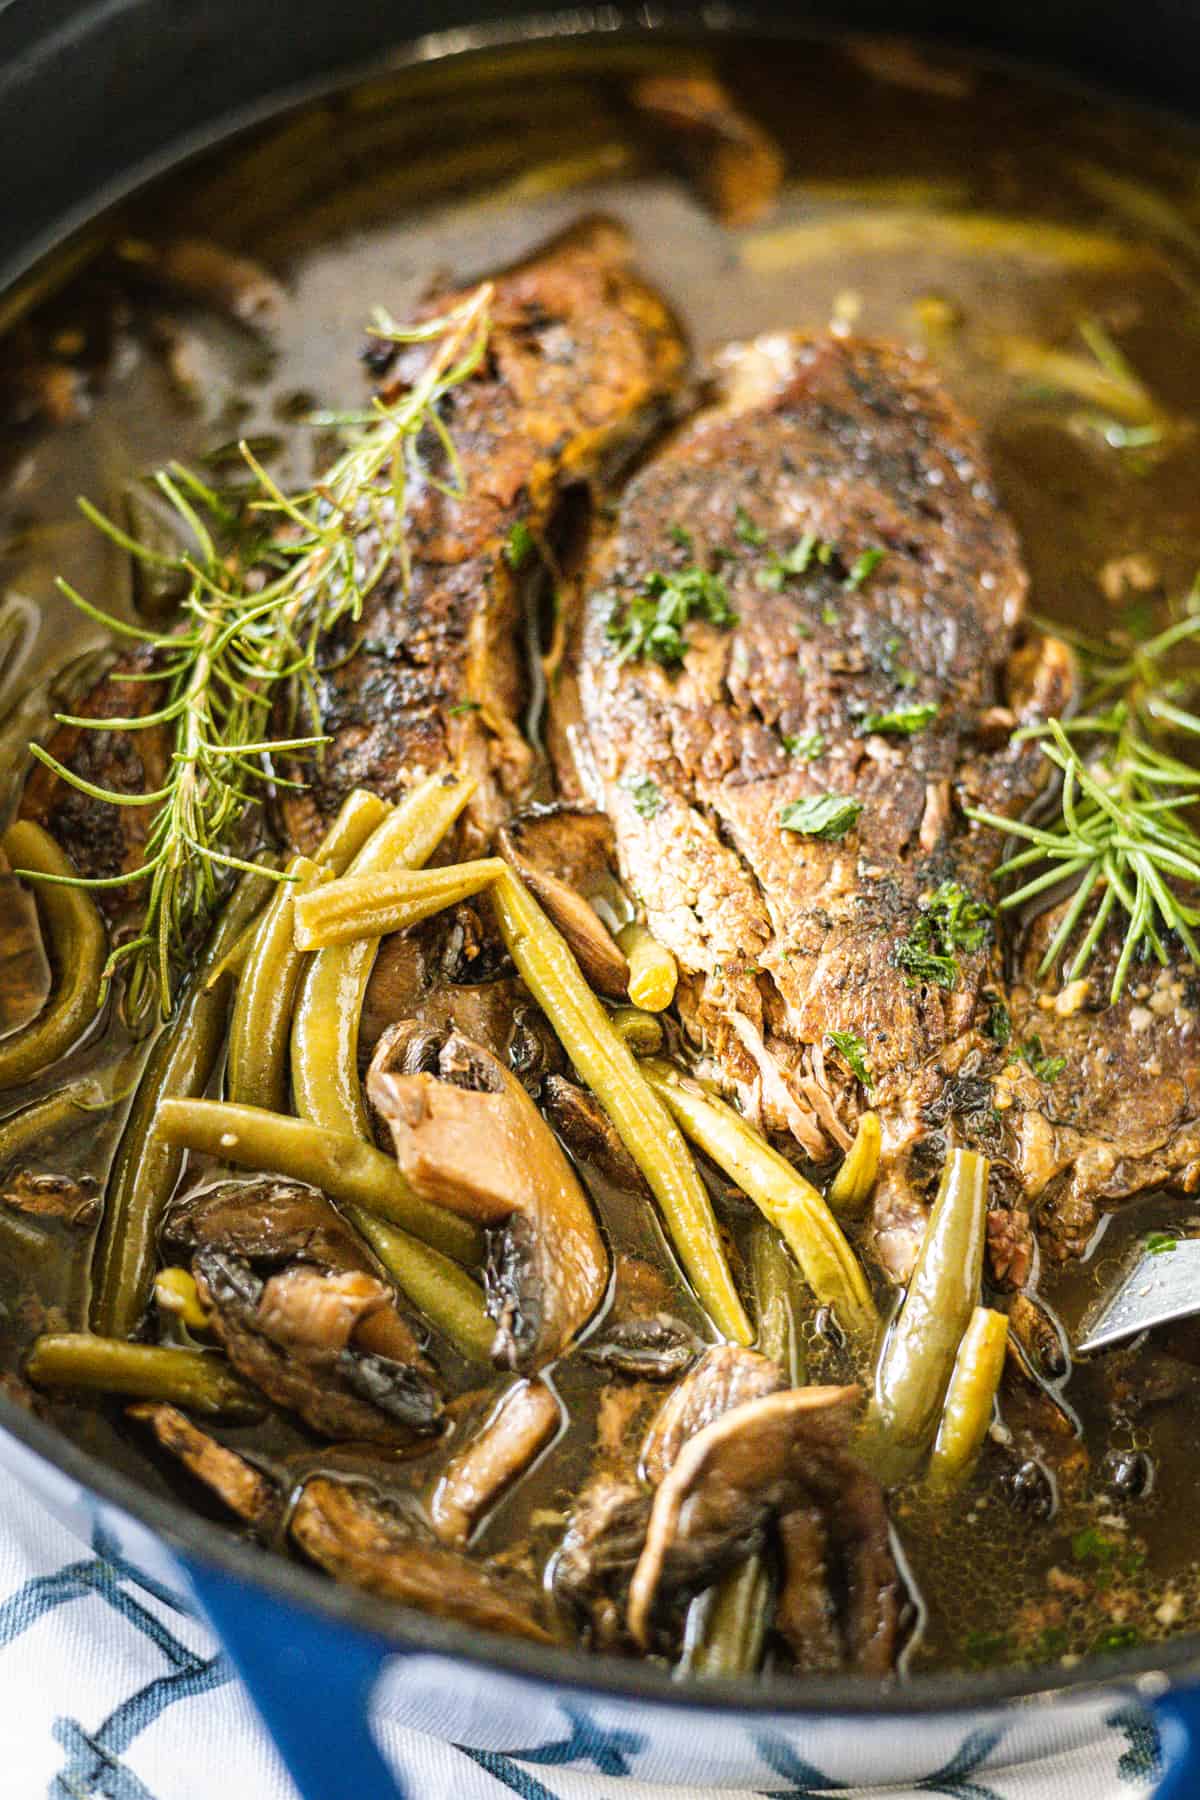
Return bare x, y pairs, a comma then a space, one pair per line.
131, 86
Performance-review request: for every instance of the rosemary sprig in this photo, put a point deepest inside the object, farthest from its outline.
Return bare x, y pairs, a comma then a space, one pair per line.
1121, 837
256, 606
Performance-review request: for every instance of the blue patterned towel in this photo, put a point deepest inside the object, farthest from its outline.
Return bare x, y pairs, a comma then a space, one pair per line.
108, 1692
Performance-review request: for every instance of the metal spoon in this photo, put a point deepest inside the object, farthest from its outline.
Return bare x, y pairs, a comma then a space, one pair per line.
1161, 1286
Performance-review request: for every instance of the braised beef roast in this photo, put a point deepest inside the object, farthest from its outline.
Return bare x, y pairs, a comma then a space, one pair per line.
799, 656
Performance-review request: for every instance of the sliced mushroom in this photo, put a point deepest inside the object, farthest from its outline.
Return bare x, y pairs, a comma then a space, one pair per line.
594, 1565
467, 1136
266, 1221
205, 271
1037, 1337
760, 1462
339, 1391
590, 1135
245, 1490
76, 1203
269, 1223
728, 154
409, 982
805, 1615
521, 1426
562, 856
354, 1537
726, 1376
303, 1308
659, 1348
1044, 1435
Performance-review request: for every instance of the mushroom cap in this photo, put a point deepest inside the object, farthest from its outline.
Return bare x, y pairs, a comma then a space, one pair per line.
765, 1460
467, 1136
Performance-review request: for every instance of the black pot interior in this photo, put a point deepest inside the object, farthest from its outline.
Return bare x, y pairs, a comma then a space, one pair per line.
137, 86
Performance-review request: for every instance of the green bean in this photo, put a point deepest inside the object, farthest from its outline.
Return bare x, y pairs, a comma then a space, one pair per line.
266, 994
26, 978
371, 906
727, 1625
918, 1357
1038, 241
345, 1167
77, 946
639, 1029
54, 1116
437, 1287
1069, 372
30, 1245
774, 1276
851, 1186
782, 1195
325, 1023
194, 1379
361, 814
643, 1124
971, 1395
653, 972
234, 959
146, 1168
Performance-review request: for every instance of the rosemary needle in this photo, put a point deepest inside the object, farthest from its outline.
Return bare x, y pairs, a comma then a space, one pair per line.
264, 582
1121, 836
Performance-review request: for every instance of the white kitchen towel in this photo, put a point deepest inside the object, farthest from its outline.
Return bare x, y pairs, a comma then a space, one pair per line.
110, 1693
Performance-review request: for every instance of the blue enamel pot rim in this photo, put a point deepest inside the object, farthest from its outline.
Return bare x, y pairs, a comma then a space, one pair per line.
188, 1535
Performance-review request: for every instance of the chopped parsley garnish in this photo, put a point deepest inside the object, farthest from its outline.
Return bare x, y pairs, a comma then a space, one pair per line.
903, 721
998, 1025
864, 566
900, 673
1046, 1068
519, 546
650, 623
950, 920
1091, 1545
920, 962
647, 799
807, 747
854, 1051
796, 561
1117, 1637
464, 706
745, 529
679, 534
821, 815
1160, 1243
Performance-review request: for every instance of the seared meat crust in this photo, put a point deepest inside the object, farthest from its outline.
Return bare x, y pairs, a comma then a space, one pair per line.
782, 937
1120, 1110
856, 445
583, 360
